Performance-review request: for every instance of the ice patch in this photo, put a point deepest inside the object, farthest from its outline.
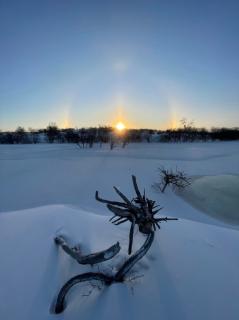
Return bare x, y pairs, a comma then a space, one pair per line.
217, 196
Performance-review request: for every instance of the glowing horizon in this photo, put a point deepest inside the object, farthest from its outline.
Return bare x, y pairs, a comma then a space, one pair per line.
120, 127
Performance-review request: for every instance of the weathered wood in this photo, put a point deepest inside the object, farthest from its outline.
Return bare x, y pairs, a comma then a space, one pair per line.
126, 200
106, 279
128, 265
116, 203
140, 211
118, 211
90, 258
136, 188
121, 221
131, 236
60, 302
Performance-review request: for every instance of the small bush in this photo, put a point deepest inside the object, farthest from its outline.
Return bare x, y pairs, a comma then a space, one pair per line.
177, 179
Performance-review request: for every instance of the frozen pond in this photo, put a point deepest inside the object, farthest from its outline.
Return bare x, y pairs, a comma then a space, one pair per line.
217, 196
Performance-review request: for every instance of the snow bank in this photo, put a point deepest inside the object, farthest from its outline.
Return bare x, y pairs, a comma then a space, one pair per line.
38, 175
191, 271
217, 196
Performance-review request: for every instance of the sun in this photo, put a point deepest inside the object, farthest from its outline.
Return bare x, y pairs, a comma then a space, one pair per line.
120, 126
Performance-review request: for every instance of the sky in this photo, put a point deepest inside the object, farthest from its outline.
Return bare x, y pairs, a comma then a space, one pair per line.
146, 63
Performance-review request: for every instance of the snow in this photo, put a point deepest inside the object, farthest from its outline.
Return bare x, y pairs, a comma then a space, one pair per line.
191, 270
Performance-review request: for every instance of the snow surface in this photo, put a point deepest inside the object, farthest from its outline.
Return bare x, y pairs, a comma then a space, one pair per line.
190, 272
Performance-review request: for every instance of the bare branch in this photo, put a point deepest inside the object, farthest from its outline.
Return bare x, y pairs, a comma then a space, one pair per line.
128, 265
139, 211
165, 219
90, 258
136, 188
118, 211
116, 203
107, 280
126, 200
177, 179
122, 221
131, 236
60, 302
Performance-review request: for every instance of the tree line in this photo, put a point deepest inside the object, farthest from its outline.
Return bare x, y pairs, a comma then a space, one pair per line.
105, 134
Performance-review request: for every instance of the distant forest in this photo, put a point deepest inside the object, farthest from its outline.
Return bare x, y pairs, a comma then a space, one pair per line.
86, 137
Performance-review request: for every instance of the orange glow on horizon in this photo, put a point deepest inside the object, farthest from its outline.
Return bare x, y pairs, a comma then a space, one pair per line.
120, 126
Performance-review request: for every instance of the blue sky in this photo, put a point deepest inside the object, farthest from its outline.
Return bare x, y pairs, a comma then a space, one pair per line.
147, 63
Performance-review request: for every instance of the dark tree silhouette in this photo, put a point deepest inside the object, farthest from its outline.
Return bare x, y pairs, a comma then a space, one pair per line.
177, 179
52, 132
20, 135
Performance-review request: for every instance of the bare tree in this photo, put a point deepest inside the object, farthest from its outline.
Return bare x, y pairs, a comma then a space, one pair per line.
187, 124
177, 179
141, 212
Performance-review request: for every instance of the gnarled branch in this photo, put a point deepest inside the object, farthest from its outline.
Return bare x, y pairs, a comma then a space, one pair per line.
92, 258
136, 188
116, 203
129, 263
139, 211
60, 302
106, 279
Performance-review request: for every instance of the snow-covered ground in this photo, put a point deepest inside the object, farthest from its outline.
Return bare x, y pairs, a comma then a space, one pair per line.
191, 271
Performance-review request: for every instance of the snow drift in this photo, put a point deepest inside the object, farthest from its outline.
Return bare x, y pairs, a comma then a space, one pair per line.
191, 271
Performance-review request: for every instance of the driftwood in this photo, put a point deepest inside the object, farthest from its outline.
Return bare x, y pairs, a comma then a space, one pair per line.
141, 212
93, 258
106, 279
